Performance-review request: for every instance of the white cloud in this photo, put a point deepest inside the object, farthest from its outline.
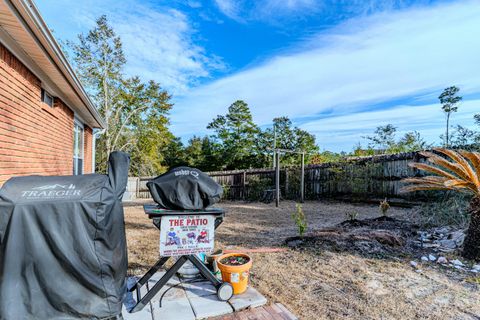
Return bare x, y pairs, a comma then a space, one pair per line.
345, 70
337, 132
159, 42
159, 45
287, 7
275, 11
266, 10
230, 8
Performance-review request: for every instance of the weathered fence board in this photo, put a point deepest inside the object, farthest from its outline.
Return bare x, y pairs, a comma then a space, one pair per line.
363, 177
131, 191
143, 192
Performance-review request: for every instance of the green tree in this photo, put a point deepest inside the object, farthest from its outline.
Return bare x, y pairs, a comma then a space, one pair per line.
360, 151
201, 153
289, 138
174, 153
135, 113
326, 156
384, 141
477, 118
194, 153
383, 138
211, 151
449, 100
237, 134
464, 138
411, 141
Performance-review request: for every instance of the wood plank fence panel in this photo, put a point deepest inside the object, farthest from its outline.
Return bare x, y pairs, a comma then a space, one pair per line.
364, 177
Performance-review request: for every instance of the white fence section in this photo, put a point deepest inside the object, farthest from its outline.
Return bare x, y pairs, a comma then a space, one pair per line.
132, 187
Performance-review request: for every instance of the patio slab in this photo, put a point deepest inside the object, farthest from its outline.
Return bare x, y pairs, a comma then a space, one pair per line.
199, 289
188, 299
249, 299
130, 301
175, 309
144, 314
209, 306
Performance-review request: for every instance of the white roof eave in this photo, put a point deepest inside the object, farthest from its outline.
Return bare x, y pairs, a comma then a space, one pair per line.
43, 56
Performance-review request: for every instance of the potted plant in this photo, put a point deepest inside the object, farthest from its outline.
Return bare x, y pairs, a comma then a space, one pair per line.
235, 268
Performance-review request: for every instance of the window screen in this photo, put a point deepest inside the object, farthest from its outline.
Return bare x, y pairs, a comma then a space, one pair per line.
47, 98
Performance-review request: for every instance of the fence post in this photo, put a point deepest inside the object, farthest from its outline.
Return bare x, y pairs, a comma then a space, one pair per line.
286, 183
243, 184
302, 179
137, 193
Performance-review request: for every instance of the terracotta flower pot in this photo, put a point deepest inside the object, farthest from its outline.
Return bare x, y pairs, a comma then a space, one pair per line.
236, 275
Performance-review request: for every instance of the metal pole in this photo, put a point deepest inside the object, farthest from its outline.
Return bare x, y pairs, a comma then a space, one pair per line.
277, 178
302, 179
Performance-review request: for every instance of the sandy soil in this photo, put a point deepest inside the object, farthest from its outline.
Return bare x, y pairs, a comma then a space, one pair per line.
315, 283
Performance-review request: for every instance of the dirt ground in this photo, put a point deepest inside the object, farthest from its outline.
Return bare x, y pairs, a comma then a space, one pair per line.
317, 282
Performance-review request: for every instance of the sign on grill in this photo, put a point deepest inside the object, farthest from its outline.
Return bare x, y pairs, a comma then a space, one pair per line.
184, 235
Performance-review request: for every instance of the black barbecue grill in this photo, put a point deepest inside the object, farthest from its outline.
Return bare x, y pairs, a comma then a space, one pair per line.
224, 290
63, 250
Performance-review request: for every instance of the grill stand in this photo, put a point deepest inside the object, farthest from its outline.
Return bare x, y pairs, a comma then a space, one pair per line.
224, 289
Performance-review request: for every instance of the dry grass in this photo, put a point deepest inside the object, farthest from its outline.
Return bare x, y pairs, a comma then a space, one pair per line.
319, 284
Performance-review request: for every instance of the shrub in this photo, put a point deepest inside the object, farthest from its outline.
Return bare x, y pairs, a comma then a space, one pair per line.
300, 220
351, 215
226, 192
384, 207
256, 188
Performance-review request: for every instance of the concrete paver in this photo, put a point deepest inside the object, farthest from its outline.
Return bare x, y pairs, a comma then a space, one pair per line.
187, 299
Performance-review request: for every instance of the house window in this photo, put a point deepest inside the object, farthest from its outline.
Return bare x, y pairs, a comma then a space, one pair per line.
47, 98
78, 134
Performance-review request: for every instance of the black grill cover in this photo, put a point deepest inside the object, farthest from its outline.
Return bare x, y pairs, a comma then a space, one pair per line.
185, 188
62, 245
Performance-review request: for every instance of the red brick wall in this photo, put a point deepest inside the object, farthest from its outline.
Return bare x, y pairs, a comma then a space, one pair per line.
34, 138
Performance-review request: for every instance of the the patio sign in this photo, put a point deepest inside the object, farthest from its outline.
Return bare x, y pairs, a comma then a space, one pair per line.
184, 235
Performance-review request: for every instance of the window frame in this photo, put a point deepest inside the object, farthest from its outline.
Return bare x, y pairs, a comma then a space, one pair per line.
46, 95
78, 158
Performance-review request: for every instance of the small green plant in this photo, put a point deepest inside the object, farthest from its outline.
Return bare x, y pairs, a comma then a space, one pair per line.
384, 207
226, 191
300, 220
351, 215
475, 280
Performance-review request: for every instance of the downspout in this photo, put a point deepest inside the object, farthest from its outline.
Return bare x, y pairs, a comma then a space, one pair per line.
94, 143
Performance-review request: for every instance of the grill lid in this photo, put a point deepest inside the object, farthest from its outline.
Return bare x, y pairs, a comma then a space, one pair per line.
185, 188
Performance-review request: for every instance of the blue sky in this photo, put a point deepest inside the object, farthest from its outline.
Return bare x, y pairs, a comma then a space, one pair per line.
337, 68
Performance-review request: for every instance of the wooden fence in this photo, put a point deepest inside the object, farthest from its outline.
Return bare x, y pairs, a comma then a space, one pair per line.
362, 178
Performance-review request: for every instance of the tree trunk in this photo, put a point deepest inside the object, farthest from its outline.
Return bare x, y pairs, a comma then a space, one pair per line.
471, 246
447, 138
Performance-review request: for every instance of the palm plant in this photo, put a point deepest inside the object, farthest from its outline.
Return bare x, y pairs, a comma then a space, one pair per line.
459, 171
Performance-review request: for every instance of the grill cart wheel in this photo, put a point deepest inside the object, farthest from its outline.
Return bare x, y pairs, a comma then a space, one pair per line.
224, 291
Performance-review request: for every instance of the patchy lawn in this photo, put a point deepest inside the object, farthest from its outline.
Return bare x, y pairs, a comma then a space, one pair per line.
319, 281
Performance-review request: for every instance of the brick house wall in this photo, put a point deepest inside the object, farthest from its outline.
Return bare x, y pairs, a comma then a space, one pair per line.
34, 137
